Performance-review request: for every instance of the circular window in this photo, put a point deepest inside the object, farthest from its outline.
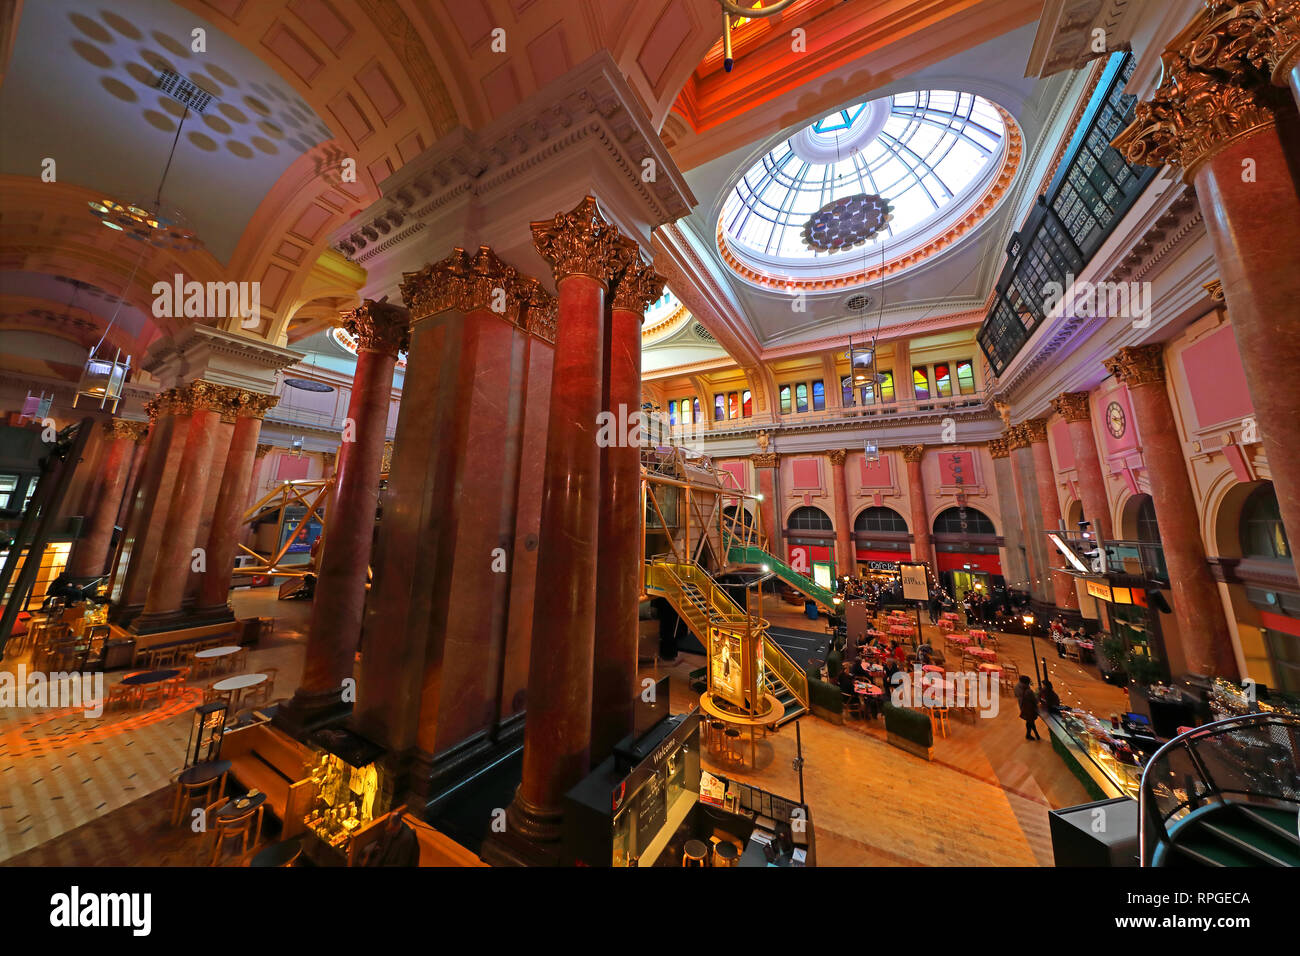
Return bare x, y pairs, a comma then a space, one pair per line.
912, 172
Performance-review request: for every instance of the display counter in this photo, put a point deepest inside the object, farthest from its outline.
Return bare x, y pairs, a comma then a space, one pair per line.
1110, 752
352, 791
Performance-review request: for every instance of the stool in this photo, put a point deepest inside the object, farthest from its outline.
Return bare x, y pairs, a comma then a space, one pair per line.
284, 853
716, 740
939, 716
725, 854
734, 753
694, 853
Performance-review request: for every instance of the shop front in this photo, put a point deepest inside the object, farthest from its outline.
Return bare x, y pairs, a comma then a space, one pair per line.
880, 564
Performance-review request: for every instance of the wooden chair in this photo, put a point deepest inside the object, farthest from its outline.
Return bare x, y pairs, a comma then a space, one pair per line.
149, 692
191, 796
1072, 652
1010, 676
122, 695
939, 718
211, 694
852, 705
246, 827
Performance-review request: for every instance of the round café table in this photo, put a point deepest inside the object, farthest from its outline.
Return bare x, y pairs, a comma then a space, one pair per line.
931, 669
959, 639
979, 635
224, 651
231, 810
235, 686
983, 653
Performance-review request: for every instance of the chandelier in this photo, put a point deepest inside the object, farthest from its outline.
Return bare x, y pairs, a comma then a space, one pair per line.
156, 224
756, 10
846, 222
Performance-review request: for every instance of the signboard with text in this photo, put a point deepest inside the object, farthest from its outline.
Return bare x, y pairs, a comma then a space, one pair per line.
915, 583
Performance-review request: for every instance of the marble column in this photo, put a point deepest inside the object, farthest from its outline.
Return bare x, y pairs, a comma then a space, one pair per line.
1073, 407
619, 575
92, 549
765, 465
162, 605
1024, 478
1064, 595
1203, 630
1222, 117
586, 252
133, 475
1009, 507
381, 331
227, 515
922, 545
846, 564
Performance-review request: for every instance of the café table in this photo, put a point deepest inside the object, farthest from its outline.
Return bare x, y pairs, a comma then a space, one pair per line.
146, 678
218, 655
231, 809
959, 639
991, 668
932, 669
235, 686
949, 616
983, 653
947, 627
979, 635
901, 630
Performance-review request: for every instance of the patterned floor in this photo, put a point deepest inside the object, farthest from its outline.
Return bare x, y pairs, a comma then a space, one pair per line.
61, 770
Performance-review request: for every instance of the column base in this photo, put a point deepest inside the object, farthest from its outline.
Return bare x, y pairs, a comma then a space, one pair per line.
535, 824
152, 623
308, 712
124, 614
216, 614
532, 838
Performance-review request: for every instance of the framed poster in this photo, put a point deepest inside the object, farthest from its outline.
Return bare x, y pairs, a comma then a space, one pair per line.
916, 586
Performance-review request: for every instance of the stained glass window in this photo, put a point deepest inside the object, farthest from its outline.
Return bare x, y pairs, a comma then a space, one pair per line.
819, 397
966, 376
921, 383
747, 402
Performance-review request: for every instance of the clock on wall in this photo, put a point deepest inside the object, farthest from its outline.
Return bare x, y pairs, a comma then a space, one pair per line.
1115, 420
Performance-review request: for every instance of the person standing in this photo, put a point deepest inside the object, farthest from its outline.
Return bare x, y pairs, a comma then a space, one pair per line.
1028, 708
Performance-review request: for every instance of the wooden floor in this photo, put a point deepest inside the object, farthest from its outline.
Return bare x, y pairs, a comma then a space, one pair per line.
60, 770
983, 801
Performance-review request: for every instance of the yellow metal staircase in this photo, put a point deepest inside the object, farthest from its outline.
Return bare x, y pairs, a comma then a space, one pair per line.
706, 607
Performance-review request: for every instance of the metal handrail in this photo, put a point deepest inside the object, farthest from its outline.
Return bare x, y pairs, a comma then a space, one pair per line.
1204, 779
791, 674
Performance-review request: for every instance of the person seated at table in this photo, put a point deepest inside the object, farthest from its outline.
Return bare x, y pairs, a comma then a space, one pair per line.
900, 652
1049, 698
860, 667
846, 678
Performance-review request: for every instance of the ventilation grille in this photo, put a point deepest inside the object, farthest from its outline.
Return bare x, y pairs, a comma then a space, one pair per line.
858, 303
184, 92
703, 333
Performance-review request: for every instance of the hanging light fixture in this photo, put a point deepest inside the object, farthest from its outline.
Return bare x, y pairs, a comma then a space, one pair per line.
764, 8
872, 451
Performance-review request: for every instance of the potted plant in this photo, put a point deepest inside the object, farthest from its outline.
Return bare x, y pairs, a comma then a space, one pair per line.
1111, 660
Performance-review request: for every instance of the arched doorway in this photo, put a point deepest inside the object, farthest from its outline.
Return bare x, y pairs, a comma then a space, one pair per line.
1267, 573
810, 541
966, 550
880, 541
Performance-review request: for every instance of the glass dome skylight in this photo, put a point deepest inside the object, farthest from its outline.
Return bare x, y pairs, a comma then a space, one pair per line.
926, 153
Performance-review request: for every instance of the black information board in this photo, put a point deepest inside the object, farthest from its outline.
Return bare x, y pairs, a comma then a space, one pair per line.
651, 809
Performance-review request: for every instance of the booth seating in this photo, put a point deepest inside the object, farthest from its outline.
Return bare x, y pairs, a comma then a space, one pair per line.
436, 849
263, 758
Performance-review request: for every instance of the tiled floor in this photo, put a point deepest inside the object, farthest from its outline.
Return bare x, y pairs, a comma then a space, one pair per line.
60, 769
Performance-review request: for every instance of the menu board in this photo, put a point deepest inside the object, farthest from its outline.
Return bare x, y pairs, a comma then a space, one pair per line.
651, 809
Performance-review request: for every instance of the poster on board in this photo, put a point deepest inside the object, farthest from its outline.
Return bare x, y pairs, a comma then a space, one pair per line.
915, 584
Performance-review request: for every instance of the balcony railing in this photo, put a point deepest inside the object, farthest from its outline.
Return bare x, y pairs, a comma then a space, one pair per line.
1091, 192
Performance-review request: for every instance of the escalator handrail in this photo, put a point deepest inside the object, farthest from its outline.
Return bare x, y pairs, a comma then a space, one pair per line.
1152, 829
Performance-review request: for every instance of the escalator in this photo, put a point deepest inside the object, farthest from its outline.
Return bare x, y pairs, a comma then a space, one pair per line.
754, 555
1225, 794
703, 604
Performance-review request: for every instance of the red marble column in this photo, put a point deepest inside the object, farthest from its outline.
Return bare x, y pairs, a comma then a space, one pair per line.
1223, 115
381, 330
133, 476
585, 252
92, 550
846, 563
922, 543
1039, 578
1064, 595
1202, 627
765, 466
1073, 407
162, 605
227, 526
619, 574
139, 549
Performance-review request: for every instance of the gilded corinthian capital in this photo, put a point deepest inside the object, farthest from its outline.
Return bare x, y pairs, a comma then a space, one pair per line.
379, 327
998, 448
256, 404
1138, 365
583, 242
1216, 86
460, 283
1072, 406
1034, 429
837, 456
201, 395
1015, 437
116, 428
913, 452
638, 286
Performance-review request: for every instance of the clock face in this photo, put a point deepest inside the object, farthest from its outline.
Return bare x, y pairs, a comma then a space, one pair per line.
1115, 420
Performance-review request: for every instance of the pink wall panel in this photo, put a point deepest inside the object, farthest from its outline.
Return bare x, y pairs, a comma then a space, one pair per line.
1062, 445
954, 465
876, 474
1217, 380
737, 471
291, 468
805, 474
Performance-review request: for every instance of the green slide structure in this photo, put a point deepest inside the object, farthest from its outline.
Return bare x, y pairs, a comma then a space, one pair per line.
752, 554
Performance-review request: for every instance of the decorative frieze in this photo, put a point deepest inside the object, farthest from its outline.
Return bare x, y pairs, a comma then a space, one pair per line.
1136, 365
1072, 406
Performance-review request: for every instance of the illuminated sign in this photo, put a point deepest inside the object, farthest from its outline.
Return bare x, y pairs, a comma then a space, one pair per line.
1098, 590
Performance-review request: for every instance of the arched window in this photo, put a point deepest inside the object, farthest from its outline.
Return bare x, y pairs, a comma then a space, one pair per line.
977, 523
1148, 528
1261, 530
809, 519
880, 519
744, 518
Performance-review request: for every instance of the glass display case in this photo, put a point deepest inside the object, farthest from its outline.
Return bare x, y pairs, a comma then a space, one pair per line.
352, 789
206, 729
1117, 750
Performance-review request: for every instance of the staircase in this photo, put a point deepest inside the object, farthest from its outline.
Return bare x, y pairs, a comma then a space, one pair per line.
754, 555
1224, 794
703, 604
